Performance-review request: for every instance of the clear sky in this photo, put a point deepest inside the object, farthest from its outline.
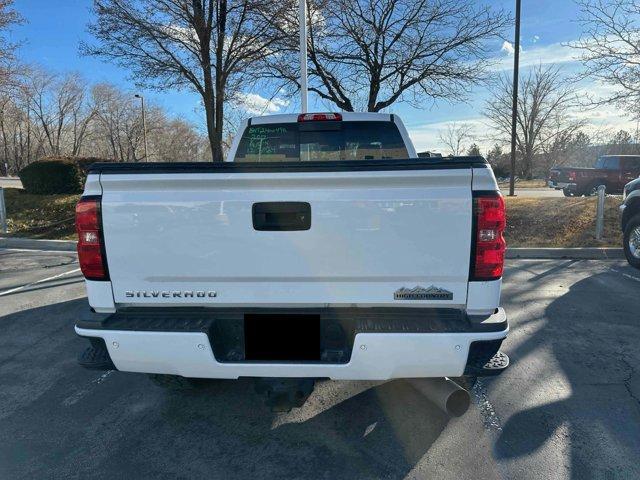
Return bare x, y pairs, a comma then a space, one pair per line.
54, 28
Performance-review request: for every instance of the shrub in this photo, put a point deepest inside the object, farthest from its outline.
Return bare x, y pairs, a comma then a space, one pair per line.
51, 176
85, 162
57, 174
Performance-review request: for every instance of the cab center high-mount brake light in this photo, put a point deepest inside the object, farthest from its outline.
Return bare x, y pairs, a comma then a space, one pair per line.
319, 117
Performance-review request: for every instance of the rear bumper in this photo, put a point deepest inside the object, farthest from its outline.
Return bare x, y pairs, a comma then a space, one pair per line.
377, 353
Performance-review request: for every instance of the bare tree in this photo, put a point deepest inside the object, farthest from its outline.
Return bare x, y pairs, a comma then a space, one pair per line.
369, 54
57, 103
456, 136
610, 46
545, 101
16, 139
82, 114
210, 46
116, 130
177, 140
8, 65
52, 115
118, 124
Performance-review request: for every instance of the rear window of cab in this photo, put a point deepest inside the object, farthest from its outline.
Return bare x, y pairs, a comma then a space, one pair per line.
608, 163
321, 141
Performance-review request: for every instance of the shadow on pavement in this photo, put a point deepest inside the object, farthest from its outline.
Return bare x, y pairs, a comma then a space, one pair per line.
592, 333
58, 420
379, 433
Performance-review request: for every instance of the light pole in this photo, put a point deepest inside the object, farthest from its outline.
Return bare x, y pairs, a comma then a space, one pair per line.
302, 13
514, 106
144, 126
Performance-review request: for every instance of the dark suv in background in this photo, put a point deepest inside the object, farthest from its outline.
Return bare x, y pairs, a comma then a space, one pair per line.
612, 171
630, 209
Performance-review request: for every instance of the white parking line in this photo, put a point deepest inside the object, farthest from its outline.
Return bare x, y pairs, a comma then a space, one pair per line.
631, 277
627, 275
76, 397
7, 292
13, 249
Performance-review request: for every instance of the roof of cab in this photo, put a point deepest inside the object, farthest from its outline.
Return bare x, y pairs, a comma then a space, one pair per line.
346, 117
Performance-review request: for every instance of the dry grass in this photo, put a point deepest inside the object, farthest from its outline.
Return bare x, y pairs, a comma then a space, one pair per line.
40, 216
560, 222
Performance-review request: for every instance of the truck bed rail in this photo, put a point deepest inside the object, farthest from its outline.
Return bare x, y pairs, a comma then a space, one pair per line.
432, 163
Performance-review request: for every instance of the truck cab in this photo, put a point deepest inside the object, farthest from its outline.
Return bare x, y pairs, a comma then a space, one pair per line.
612, 171
321, 137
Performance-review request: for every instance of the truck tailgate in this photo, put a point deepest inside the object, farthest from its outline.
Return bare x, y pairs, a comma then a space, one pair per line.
196, 238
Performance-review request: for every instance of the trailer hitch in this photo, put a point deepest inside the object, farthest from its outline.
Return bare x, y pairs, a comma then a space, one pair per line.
283, 394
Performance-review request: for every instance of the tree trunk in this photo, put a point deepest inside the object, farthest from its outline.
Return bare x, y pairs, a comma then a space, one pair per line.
374, 89
216, 147
211, 87
217, 153
210, 114
528, 165
5, 163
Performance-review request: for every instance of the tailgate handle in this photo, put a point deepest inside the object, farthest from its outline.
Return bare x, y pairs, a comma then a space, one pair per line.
281, 216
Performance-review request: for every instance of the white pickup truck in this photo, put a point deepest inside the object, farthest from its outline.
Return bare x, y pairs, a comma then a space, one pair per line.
322, 248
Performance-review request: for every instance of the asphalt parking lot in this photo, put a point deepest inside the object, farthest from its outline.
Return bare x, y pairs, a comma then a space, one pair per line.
568, 407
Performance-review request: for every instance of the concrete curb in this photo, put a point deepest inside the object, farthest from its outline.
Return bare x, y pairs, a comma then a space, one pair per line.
588, 253
33, 244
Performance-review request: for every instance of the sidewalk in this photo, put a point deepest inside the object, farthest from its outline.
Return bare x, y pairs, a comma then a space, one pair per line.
10, 182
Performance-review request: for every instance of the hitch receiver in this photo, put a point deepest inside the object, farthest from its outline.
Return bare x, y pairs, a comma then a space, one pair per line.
283, 394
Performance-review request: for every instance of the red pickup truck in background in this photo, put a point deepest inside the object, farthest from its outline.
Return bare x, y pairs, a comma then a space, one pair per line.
612, 171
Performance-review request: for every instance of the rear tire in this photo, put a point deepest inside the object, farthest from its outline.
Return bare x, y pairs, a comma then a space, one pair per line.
593, 188
568, 193
631, 241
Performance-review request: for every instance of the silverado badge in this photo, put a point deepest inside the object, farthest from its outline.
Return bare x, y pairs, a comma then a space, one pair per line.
421, 293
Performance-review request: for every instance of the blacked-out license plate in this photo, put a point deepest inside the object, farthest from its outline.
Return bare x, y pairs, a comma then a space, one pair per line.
275, 337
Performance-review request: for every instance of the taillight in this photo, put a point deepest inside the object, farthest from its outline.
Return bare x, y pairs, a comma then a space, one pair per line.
318, 117
487, 256
90, 241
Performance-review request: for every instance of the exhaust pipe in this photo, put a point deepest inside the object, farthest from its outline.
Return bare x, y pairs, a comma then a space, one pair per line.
447, 395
